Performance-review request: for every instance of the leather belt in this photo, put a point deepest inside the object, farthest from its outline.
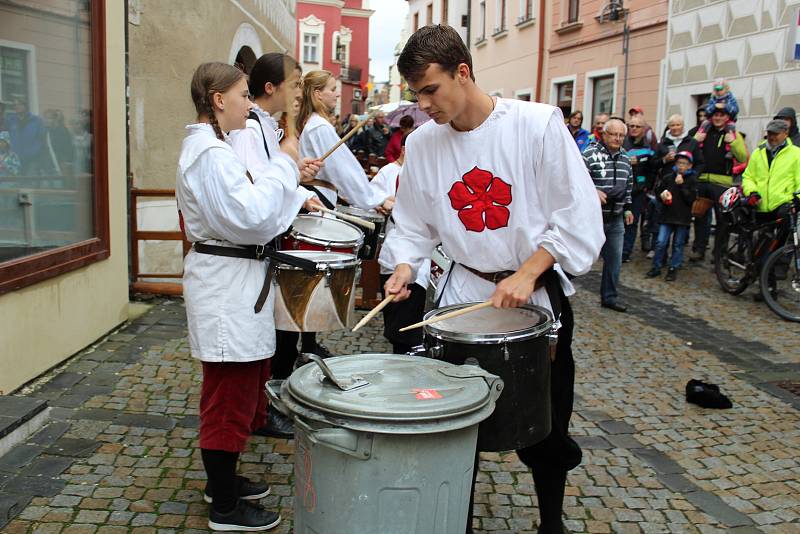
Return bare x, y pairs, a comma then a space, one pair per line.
499, 276
258, 253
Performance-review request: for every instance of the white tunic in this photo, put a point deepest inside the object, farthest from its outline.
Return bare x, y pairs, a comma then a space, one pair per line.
492, 196
386, 181
341, 169
220, 206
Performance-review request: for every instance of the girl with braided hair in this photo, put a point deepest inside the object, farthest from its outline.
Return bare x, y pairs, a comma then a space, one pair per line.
228, 215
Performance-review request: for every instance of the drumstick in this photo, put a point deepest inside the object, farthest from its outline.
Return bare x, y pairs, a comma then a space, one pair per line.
456, 313
349, 218
347, 136
373, 312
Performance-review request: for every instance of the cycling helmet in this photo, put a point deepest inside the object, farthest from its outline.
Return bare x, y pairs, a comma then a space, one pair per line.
730, 198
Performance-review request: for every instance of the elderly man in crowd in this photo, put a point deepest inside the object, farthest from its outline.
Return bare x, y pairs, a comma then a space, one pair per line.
597, 127
378, 135
611, 172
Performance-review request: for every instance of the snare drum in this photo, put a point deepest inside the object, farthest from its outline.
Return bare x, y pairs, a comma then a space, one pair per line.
316, 301
312, 232
372, 238
512, 343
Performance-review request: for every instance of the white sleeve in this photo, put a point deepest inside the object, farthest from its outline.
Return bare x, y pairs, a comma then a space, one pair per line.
241, 212
575, 223
342, 169
248, 144
385, 180
412, 241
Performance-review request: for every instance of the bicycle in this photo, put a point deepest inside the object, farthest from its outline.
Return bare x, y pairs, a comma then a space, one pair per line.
780, 277
741, 243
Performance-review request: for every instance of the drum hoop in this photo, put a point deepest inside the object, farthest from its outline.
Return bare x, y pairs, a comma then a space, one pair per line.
488, 339
324, 265
305, 238
363, 214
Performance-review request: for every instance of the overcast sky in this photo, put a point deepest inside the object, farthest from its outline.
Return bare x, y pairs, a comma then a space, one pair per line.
384, 33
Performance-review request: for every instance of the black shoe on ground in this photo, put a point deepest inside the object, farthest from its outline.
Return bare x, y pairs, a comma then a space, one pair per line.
697, 256
706, 395
278, 426
652, 273
321, 351
626, 259
246, 517
616, 306
248, 490
557, 528
672, 274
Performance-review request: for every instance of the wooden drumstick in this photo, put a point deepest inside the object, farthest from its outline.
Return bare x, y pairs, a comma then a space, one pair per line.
347, 136
373, 312
456, 313
369, 225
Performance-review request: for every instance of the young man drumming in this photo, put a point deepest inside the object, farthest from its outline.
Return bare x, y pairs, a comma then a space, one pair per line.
501, 184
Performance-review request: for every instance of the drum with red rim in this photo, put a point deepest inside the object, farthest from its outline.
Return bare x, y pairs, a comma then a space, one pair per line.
312, 232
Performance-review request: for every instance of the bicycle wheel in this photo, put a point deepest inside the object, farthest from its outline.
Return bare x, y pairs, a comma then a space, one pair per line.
780, 283
733, 254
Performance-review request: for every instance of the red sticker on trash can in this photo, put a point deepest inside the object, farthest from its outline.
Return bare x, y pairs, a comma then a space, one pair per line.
426, 394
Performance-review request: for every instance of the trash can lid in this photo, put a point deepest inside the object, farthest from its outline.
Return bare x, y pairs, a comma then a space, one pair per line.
391, 387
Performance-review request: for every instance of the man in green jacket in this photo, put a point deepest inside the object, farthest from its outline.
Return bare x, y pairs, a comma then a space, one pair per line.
720, 145
773, 173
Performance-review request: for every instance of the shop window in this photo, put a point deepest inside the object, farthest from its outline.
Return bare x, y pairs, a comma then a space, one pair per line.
53, 155
602, 95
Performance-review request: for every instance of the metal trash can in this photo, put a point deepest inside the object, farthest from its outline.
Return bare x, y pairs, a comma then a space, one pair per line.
384, 443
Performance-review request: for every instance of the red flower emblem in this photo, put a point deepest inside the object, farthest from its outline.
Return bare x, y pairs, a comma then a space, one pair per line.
481, 200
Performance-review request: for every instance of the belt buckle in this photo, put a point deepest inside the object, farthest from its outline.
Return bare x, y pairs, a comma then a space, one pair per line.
260, 252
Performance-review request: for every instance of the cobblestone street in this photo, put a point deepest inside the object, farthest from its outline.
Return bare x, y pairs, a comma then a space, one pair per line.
118, 453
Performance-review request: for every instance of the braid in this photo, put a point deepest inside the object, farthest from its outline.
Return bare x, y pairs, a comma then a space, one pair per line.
212, 119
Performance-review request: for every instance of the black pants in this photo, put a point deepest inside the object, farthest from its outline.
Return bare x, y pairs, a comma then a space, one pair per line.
399, 314
702, 225
551, 458
286, 352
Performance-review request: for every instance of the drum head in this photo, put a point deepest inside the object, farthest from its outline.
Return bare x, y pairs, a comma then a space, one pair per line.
323, 259
490, 325
321, 229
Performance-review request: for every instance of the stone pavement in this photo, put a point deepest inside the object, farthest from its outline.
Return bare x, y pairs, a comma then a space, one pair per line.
119, 453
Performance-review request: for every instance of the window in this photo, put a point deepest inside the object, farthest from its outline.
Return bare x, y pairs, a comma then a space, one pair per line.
429, 14
523, 95
525, 11
445, 13
310, 48
500, 16
416, 21
482, 21
53, 170
572, 10
602, 95
564, 95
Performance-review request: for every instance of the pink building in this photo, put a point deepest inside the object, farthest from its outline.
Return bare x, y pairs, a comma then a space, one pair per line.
585, 64
333, 35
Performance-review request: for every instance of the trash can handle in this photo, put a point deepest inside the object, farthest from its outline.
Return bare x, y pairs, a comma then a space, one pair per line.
344, 383
494, 382
273, 388
355, 444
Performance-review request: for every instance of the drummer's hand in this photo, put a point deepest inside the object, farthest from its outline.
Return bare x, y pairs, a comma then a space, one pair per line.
313, 204
397, 284
386, 207
291, 147
309, 168
514, 291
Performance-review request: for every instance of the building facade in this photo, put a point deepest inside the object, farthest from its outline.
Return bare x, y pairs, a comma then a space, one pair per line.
505, 42
585, 63
751, 44
161, 63
453, 13
333, 35
63, 218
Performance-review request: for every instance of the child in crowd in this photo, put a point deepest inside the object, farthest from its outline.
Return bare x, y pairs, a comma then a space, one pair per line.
678, 190
721, 98
9, 161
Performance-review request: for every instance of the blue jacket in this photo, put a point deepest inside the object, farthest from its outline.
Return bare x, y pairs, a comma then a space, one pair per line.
581, 138
27, 140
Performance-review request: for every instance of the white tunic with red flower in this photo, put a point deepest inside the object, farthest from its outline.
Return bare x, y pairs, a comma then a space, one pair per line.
492, 196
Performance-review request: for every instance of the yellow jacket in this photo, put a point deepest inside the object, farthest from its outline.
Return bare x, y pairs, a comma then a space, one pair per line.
775, 183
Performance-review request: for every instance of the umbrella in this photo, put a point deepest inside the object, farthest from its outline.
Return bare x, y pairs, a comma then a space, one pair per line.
391, 106
419, 116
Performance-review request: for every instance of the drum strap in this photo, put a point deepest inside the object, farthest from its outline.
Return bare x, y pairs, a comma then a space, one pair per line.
322, 198
259, 253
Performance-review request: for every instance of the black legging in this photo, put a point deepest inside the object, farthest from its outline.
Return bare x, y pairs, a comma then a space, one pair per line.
286, 351
551, 458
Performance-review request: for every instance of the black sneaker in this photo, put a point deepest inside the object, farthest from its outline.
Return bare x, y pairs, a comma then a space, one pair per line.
706, 395
321, 351
248, 490
278, 426
246, 517
652, 273
672, 274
